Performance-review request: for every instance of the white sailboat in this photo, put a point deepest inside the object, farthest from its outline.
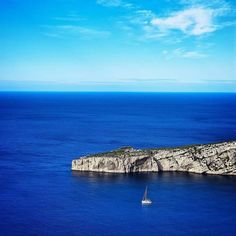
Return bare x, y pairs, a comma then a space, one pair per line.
145, 200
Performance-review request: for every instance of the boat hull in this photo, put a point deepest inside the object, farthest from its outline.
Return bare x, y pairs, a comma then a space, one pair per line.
146, 202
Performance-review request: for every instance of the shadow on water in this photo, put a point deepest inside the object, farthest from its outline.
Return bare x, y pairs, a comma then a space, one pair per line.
151, 178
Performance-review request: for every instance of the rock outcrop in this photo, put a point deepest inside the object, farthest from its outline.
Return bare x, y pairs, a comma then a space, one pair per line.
219, 158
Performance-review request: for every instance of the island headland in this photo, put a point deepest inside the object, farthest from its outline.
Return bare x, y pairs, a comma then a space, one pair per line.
217, 158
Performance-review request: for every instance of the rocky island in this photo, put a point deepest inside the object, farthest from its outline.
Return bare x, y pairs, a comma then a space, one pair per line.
218, 158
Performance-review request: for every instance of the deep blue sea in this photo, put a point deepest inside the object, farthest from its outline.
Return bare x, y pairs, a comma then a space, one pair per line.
40, 134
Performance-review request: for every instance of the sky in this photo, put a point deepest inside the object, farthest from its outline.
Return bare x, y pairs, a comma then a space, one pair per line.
118, 45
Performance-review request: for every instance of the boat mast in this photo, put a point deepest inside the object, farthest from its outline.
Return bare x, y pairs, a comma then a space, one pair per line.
145, 194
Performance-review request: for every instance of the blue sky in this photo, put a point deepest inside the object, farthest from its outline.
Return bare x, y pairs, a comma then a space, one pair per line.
118, 45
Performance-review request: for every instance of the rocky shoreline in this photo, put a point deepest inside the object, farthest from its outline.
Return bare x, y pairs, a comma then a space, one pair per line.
217, 158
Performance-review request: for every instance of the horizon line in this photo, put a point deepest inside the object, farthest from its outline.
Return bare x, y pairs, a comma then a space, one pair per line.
94, 91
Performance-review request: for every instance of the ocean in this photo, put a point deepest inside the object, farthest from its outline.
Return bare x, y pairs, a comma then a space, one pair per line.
40, 134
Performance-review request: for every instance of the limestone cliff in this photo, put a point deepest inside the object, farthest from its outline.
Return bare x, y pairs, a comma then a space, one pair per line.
217, 158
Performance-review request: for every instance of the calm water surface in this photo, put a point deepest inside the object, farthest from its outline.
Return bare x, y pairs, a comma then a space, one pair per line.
40, 133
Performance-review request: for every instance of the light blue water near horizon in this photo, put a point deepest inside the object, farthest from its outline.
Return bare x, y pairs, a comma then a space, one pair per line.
42, 132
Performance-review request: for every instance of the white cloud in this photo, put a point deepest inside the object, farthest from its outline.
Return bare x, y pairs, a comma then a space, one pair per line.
193, 54
141, 17
215, 4
196, 18
180, 52
194, 21
139, 22
74, 30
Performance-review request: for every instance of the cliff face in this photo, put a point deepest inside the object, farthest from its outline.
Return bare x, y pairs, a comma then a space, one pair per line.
217, 158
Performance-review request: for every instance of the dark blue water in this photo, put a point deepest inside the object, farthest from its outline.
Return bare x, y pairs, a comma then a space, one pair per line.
40, 133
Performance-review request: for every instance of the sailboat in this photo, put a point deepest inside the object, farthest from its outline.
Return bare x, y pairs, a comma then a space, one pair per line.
145, 200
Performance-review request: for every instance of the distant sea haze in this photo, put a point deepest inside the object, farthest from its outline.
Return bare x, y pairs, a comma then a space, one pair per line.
42, 132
